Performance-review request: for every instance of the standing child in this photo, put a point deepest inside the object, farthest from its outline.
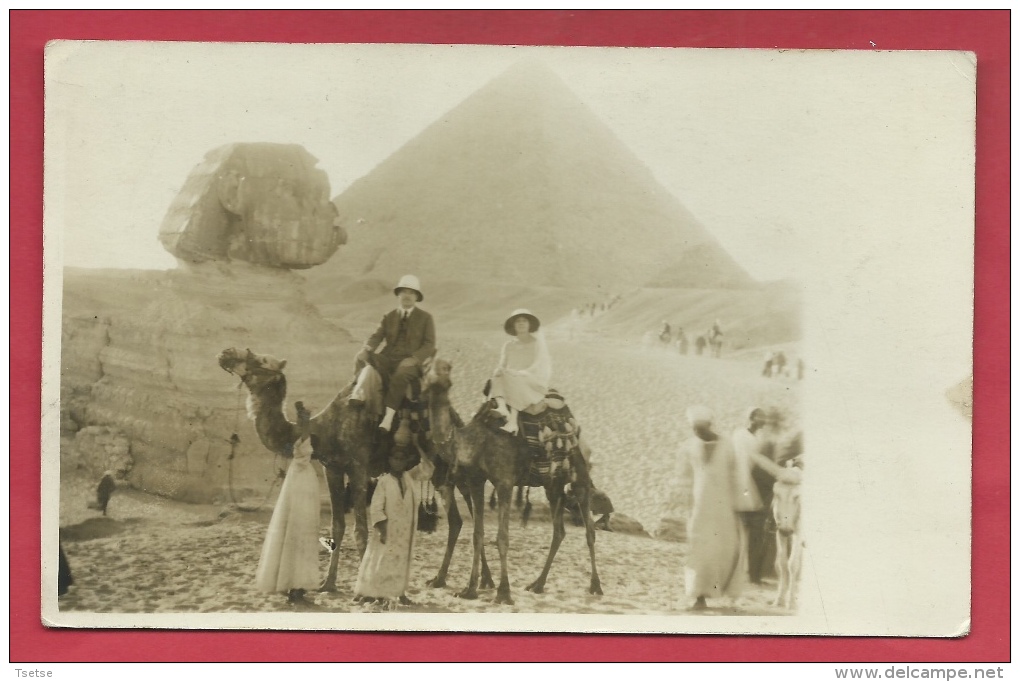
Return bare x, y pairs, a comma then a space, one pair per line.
290, 553
386, 567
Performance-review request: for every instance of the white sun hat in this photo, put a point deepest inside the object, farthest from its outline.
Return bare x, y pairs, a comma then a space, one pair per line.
409, 282
533, 323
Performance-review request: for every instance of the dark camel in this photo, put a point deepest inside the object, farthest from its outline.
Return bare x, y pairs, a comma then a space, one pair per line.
478, 452
343, 440
444, 421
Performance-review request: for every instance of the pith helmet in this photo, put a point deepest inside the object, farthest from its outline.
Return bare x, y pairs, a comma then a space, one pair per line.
533, 323
409, 282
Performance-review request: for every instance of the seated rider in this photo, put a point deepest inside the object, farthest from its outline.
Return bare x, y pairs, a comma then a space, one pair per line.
410, 336
521, 379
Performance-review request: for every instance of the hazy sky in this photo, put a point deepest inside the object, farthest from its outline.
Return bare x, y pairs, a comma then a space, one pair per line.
765, 148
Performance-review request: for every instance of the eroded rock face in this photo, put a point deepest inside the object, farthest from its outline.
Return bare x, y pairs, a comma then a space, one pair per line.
262, 203
139, 376
102, 449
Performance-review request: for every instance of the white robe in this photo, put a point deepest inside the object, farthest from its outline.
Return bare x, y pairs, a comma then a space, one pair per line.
290, 553
717, 549
385, 569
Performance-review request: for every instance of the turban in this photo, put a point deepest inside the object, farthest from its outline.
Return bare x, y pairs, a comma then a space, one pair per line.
699, 415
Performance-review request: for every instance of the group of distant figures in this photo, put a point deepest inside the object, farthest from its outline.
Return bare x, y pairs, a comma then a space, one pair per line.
709, 343
776, 364
596, 307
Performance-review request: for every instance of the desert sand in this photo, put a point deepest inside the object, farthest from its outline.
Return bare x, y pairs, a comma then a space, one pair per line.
154, 555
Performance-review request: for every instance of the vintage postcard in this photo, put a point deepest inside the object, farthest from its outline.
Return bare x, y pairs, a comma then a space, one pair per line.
478, 338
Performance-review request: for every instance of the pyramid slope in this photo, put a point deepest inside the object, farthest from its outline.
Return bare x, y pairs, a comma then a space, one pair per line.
521, 182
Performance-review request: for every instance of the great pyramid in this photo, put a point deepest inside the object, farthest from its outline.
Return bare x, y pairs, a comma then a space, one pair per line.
522, 183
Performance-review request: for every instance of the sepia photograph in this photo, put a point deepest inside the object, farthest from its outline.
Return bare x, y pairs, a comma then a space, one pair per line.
507, 339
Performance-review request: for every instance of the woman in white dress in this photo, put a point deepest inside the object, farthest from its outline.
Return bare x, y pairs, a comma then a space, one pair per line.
521, 379
290, 554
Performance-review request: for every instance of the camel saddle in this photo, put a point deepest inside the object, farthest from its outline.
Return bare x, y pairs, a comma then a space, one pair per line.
413, 415
552, 435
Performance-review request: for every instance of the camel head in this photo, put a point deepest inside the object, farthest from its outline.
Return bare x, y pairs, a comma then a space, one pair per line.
786, 506
437, 377
253, 369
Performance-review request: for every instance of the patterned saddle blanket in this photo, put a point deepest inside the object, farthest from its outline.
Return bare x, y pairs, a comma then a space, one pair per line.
411, 425
414, 407
552, 436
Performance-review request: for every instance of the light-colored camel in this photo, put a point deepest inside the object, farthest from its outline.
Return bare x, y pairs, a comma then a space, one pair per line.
342, 437
789, 543
480, 452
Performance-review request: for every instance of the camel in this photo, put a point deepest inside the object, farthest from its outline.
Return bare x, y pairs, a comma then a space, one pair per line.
342, 437
448, 476
479, 451
666, 334
714, 339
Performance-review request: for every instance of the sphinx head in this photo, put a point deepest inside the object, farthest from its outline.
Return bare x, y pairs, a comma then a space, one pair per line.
262, 203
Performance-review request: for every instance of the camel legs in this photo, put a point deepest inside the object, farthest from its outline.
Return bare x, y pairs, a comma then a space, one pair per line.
335, 481
556, 500
503, 543
589, 534
486, 575
518, 500
477, 498
454, 523
359, 484
796, 557
783, 553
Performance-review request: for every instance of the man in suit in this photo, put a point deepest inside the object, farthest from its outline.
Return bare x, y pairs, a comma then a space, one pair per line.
410, 336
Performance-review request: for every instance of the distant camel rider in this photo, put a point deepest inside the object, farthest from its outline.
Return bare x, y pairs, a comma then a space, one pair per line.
681, 341
410, 336
666, 333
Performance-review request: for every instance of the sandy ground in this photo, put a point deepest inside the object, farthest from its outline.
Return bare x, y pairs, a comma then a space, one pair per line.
151, 555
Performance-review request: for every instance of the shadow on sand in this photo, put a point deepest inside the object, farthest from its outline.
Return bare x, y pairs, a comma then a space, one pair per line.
96, 528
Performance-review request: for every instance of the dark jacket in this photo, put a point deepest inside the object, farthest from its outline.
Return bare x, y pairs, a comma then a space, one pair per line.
418, 341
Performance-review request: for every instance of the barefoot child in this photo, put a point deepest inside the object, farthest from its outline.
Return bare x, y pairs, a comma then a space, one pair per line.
386, 568
290, 553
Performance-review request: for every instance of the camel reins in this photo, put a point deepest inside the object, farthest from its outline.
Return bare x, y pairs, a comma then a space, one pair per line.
234, 441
